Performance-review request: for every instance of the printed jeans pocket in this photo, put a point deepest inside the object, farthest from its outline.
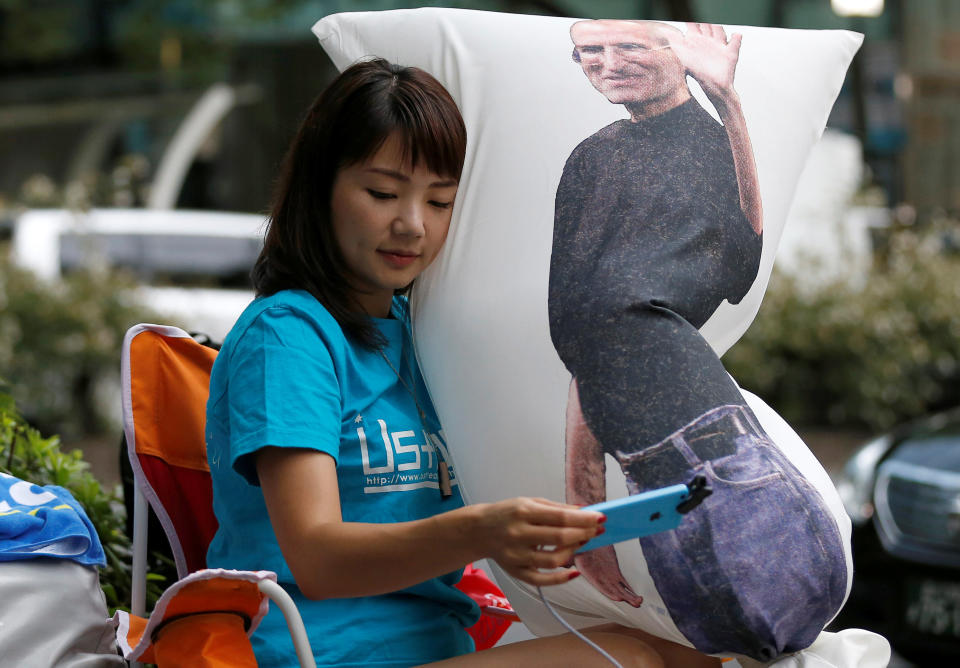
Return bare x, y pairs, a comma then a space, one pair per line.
751, 466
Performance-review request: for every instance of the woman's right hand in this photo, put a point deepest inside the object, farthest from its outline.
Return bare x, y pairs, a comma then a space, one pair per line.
515, 532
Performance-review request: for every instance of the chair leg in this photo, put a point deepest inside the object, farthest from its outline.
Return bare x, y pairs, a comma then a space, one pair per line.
298, 632
138, 583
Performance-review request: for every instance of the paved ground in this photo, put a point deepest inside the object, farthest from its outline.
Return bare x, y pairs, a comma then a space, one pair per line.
103, 455
833, 447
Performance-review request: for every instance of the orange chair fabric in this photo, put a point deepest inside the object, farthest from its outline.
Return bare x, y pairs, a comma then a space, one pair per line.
193, 599
168, 383
211, 640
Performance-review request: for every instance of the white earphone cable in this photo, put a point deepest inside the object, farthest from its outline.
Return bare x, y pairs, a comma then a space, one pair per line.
572, 630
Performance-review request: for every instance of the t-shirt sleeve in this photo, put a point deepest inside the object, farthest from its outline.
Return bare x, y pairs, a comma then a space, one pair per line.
283, 390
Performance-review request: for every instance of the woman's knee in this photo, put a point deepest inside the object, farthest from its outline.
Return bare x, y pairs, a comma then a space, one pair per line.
669, 653
629, 651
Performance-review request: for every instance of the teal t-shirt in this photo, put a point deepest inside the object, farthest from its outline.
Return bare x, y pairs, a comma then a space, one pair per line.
288, 377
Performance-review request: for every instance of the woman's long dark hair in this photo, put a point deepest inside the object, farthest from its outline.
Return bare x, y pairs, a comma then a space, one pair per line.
346, 125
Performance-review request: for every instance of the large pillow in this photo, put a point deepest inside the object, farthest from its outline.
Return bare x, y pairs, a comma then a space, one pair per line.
624, 191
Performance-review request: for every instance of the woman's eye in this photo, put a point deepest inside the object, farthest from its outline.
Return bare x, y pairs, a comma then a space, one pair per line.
441, 205
377, 194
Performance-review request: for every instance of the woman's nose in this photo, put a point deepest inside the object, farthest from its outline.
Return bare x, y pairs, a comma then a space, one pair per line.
409, 221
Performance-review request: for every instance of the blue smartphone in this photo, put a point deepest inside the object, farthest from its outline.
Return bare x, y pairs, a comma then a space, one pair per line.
639, 515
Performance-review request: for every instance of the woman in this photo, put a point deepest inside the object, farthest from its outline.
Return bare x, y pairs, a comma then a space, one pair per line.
325, 450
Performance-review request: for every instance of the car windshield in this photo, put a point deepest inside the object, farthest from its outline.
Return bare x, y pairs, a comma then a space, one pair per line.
165, 259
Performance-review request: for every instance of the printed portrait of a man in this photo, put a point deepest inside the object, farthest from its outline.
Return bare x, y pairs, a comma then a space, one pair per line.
657, 222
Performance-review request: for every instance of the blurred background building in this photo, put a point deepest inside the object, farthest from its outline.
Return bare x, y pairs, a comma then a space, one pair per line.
92, 90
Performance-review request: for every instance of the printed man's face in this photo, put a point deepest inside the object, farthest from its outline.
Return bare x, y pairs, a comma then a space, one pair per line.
627, 61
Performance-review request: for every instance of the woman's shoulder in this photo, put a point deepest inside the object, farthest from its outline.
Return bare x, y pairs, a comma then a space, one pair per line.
287, 314
296, 301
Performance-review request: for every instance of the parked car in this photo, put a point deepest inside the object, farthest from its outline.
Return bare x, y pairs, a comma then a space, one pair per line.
193, 266
902, 491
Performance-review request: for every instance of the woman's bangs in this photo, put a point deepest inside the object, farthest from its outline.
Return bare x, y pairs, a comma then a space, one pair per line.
437, 151
431, 132
419, 112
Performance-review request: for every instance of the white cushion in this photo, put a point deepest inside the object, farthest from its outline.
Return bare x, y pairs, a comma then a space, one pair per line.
480, 312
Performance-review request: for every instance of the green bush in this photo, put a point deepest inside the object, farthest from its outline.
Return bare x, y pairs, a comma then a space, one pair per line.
27, 455
870, 352
59, 340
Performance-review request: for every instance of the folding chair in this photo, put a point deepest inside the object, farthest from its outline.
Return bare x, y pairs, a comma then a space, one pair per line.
165, 377
164, 387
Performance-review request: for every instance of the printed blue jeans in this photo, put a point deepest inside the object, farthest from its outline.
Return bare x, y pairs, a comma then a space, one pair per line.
758, 568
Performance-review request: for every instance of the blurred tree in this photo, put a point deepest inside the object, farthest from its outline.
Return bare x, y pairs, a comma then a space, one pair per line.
59, 342
862, 353
26, 454
32, 32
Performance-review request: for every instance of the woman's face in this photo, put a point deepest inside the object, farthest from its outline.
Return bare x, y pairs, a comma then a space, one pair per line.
390, 221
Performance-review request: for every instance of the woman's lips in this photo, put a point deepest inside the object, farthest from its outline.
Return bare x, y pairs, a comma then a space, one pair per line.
398, 259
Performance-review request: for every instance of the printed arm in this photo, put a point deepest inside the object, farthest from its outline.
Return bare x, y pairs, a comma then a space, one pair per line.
586, 484
330, 558
712, 61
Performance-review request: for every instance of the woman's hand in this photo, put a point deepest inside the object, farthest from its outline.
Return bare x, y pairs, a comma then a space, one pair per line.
524, 535
330, 558
601, 569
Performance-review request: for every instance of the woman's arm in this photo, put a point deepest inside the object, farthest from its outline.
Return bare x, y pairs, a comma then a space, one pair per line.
330, 558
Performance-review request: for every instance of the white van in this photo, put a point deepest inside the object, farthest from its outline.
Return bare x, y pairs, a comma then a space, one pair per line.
193, 266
